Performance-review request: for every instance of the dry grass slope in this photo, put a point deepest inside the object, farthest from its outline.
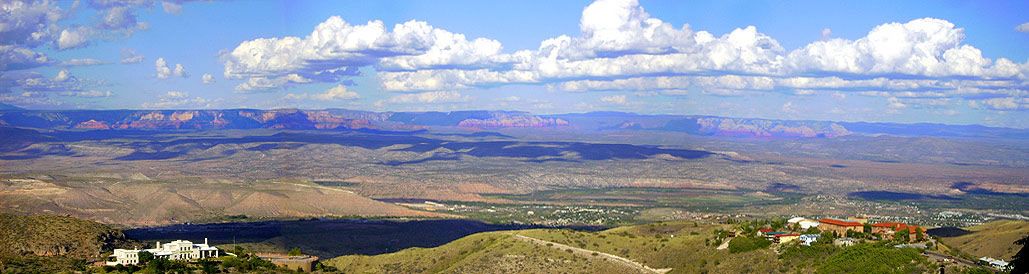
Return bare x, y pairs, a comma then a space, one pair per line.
994, 239
502, 252
48, 235
131, 202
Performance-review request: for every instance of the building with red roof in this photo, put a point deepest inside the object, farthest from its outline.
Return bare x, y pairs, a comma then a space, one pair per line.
839, 227
888, 229
764, 231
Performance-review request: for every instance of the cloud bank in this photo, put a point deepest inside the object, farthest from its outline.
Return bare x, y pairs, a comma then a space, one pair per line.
621, 47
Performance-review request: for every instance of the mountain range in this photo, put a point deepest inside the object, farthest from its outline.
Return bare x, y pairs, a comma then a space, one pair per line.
342, 119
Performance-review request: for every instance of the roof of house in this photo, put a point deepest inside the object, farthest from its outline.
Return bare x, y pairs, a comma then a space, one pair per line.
839, 222
897, 226
787, 235
796, 219
763, 230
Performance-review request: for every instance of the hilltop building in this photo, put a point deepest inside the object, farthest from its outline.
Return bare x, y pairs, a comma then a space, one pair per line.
803, 223
845, 241
808, 239
180, 250
785, 238
763, 232
304, 263
839, 227
995, 263
889, 229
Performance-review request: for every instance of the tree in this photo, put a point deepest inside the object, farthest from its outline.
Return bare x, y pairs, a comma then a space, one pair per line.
744, 244
145, 257
919, 236
812, 230
868, 228
826, 237
295, 252
208, 267
902, 235
1020, 262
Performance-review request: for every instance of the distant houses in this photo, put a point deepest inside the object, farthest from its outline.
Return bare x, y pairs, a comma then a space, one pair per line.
850, 230
179, 250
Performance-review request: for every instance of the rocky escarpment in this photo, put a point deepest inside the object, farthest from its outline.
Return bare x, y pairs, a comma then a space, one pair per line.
49, 235
502, 121
186, 119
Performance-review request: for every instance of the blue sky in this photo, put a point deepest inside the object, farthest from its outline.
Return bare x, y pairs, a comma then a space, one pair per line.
956, 62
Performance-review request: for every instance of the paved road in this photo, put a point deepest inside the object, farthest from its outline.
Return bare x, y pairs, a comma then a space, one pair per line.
589, 253
940, 256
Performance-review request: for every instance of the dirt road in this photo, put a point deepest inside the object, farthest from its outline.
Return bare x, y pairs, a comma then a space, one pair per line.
589, 253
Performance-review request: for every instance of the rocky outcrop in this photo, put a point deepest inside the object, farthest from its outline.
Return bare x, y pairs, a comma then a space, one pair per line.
49, 235
93, 124
505, 121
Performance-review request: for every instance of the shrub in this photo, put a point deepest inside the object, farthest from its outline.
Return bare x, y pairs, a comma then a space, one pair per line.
869, 258
744, 244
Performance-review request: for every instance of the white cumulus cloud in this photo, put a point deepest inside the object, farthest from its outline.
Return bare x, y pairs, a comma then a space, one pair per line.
164, 71
428, 97
207, 78
614, 99
1024, 27
339, 92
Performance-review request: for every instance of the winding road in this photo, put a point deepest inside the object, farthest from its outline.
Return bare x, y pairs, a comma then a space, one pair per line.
589, 253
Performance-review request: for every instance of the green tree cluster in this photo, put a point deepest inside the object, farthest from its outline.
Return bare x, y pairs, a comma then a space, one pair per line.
744, 244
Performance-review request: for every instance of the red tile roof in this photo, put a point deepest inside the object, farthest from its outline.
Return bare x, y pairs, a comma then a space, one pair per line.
763, 230
786, 235
897, 226
839, 222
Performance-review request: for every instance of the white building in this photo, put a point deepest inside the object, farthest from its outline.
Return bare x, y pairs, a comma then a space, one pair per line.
995, 263
807, 239
176, 250
804, 223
